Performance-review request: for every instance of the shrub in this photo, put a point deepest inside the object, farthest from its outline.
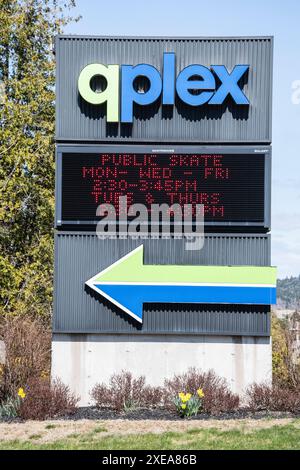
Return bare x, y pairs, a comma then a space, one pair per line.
124, 392
263, 397
28, 346
217, 396
45, 400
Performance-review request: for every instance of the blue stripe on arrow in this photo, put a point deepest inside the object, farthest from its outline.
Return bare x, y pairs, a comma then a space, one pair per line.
133, 296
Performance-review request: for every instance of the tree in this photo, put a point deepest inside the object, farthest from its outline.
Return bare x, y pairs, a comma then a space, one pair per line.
285, 360
279, 352
27, 151
288, 292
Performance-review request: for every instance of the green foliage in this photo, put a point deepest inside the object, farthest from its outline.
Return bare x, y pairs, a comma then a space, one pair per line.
10, 408
27, 119
285, 363
279, 352
187, 405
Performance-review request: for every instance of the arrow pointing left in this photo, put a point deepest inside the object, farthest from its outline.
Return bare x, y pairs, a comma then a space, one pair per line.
128, 284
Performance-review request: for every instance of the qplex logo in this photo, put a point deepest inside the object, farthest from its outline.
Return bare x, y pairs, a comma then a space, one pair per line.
195, 85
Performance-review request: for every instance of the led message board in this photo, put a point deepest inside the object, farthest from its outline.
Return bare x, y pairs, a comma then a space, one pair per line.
230, 185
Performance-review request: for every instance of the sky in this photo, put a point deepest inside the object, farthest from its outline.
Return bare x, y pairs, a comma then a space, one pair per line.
231, 18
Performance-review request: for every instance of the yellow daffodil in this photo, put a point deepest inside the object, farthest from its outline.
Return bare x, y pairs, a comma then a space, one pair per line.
200, 393
183, 406
21, 393
184, 396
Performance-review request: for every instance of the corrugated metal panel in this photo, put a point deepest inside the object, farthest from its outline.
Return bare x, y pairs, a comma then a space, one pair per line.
77, 120
80, 256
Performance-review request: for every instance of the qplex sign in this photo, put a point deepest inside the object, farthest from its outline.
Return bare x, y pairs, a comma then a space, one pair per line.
195, 85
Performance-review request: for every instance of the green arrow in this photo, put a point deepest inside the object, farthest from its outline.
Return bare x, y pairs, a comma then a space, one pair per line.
130, 269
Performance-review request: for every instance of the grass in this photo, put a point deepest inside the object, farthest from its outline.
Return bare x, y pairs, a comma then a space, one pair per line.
35, 436
99, 429
275, 437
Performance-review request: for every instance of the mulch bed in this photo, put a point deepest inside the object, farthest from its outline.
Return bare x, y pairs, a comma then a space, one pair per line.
162, 414
93, 413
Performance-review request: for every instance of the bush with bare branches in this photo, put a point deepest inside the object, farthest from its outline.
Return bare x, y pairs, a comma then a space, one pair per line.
28, 351
125, 392
217, 398
45, 400
264, 397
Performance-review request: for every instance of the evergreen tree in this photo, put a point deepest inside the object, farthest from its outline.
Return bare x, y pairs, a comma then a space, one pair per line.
27, 152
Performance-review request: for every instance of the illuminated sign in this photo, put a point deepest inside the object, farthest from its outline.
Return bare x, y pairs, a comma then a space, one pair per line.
231, 186
195, 85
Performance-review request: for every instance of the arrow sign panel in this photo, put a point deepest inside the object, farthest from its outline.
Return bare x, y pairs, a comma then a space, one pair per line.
128, 283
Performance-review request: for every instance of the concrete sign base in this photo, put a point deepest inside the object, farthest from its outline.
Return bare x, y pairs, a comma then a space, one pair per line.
81, 361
